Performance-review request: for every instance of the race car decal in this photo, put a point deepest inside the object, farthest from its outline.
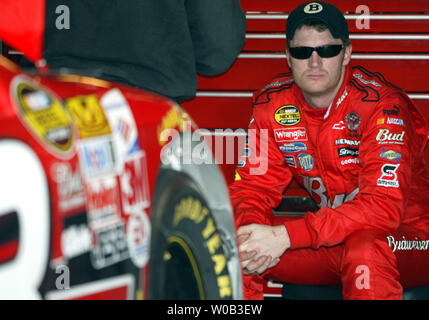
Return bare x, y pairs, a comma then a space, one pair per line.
88, 116
97, 156
69, 186
175, 118
44, 115
135, 203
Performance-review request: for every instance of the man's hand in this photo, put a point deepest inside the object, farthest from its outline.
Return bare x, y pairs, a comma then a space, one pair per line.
261, 246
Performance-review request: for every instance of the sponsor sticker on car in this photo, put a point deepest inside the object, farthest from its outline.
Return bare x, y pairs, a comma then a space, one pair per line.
44, 115
111, 246
97, 156
89, 116
122, 123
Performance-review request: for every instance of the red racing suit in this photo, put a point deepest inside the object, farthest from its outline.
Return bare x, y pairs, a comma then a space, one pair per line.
361, 159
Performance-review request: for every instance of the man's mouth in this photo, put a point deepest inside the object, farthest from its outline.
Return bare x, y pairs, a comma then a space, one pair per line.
315, 76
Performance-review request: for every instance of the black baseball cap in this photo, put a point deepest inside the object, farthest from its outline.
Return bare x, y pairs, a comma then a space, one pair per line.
326, 12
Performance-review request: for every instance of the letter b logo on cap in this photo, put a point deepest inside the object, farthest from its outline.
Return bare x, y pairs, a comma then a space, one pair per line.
313, 7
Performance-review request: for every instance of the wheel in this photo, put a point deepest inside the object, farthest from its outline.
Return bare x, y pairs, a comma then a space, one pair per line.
187, 258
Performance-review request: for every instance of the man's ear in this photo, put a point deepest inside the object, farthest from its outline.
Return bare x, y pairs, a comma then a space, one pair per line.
347, 55
288, 58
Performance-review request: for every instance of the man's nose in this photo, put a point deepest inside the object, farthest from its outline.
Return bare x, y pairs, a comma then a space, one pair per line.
315, 60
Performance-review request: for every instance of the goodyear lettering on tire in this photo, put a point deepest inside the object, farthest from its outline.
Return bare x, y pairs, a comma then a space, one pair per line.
192, 209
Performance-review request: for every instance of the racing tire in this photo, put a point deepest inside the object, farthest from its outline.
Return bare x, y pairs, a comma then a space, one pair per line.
187, 258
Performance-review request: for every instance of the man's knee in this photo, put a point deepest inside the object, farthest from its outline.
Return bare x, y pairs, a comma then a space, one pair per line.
369, 267
369, 246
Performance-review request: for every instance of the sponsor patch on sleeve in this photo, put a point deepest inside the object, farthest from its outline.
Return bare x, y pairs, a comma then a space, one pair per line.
306, 161
388, 176
385, 136
390, 154
290, 134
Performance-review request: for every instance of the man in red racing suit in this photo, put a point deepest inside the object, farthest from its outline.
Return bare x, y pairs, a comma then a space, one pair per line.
360, 156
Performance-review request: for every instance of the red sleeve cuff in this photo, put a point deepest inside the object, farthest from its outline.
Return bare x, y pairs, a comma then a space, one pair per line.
298, 233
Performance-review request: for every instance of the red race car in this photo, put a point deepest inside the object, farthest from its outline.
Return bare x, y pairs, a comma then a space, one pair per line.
106, 191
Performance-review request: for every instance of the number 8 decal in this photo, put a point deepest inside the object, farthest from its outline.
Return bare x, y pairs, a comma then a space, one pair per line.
24, 190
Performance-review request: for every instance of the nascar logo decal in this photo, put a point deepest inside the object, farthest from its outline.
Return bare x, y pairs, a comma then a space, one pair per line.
399, 122
306, 161
287, 115
44, 115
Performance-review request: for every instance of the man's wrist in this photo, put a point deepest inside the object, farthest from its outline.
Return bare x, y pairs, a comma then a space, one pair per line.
283, 235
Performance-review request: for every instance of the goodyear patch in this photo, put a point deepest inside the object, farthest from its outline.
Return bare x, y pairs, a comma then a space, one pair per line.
306, 161
44, 115
287, 115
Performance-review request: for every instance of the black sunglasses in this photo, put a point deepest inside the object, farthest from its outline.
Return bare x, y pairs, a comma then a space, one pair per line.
327, 51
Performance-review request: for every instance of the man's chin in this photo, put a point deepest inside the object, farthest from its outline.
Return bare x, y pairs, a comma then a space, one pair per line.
315, 90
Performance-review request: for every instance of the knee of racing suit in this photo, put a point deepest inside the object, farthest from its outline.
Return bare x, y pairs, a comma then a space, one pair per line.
369, 267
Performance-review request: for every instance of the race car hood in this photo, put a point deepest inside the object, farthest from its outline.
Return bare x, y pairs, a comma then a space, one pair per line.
22, 25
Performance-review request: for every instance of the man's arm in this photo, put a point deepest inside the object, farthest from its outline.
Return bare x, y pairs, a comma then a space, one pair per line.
383, 184
262, 174
218, 31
